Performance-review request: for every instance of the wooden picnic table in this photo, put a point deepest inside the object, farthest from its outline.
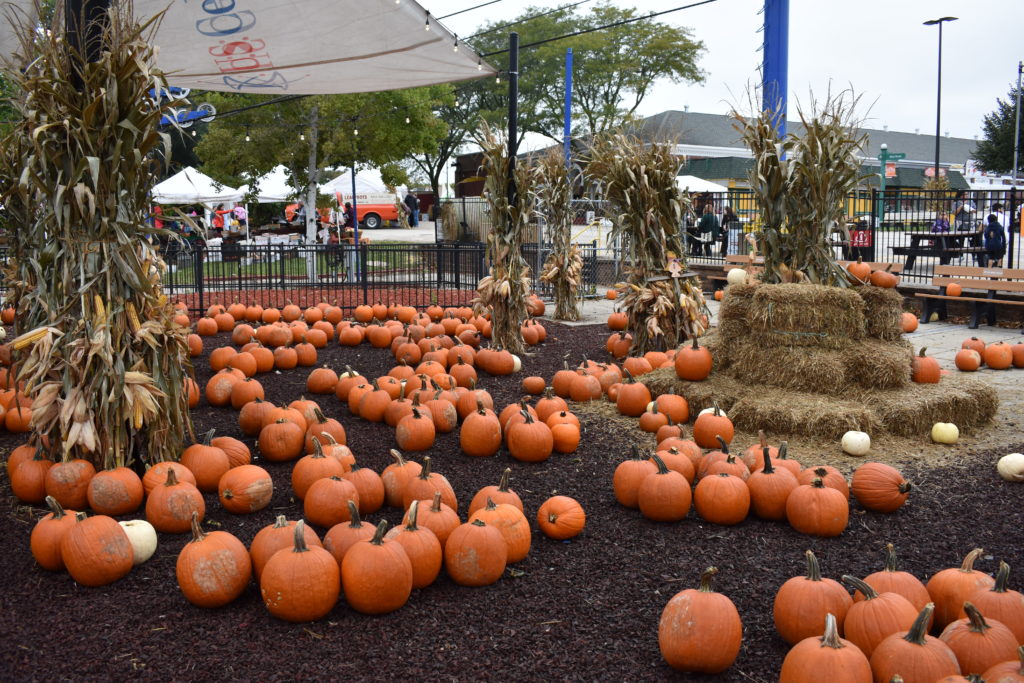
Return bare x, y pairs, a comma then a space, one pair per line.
944, 245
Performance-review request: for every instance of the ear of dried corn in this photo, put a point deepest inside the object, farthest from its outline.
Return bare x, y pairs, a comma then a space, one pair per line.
800, 184
504, 290
663, 308
97, 348
563, 268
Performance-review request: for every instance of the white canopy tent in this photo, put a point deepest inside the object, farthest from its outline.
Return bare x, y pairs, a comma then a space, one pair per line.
692, 183
288, 47
273, 187
189, 186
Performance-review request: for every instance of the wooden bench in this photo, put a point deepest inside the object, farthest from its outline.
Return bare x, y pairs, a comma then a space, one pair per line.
988, 282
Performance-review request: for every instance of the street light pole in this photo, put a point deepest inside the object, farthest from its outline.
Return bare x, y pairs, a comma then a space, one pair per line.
938, 104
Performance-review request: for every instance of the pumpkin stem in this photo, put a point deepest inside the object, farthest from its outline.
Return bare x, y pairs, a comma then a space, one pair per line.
526, 416
503, 487
768, 467
820, 472
414, 509
300, 537
1002, 577
478, 522
318, 449
172, 478
280, 522
722, 446
813, 568
696, 346
863, 586
58, 513
783, 450
968, 563
706, 578
831, 635
490, 504
416, 413
762, 438
197, 529
890, 557
425, 472
355, 520
818, 483
921, 352
435, 505
399, 460
205, 440
330, 439
660, 463
378, 537
718, 411
634, 453
976, 621
919, 629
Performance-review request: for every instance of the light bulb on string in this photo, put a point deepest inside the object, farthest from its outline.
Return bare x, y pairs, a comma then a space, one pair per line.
247, 136
406, 120
193, 133
426, 25
456, 46
302, 137
479, 65
355, 132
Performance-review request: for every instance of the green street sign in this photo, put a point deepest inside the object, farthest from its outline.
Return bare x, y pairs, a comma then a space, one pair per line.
892, 156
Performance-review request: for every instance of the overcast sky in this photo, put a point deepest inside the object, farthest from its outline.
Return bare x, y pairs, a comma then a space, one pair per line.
879, 47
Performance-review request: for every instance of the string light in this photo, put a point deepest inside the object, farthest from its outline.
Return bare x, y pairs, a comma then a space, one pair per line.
407, 119
193, 133
247, 135
355, 132
497, 79
456, 48
479, 64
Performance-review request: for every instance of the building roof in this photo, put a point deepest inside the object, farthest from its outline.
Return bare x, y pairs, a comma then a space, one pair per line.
716, 130
737, 168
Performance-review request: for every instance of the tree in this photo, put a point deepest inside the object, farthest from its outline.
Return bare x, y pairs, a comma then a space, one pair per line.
995, 152
311, 135
614, 68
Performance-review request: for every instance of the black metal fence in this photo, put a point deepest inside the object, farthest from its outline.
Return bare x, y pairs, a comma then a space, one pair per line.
351, 275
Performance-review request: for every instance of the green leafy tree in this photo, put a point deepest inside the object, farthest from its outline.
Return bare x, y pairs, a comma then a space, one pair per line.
995, 152
312, 135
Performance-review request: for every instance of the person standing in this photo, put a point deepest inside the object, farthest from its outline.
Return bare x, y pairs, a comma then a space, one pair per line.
963, 213
709, 228
730, 227
413, 204
241, 216
995, 241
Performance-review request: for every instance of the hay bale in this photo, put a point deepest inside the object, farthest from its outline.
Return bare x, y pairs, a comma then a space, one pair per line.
967, 402
718, 387
785, 413
876, 364
805, 315
799, 368
883, 309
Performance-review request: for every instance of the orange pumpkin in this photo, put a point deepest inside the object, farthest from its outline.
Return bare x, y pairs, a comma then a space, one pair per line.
115, 492
213, 568
693, 363
999, 356
245, 489
301, 583
859, 270
802, 603
47, 534
954, 289
967, 360
925, 369
700, 630
96, 550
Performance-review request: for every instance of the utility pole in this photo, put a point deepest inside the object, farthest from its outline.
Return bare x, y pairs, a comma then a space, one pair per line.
513, 114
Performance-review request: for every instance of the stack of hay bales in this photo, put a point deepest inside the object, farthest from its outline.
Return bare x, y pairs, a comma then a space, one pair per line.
817, 360
812, 338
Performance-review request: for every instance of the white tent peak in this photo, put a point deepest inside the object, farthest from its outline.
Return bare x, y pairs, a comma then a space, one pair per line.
190, 186
692, 183
275, 186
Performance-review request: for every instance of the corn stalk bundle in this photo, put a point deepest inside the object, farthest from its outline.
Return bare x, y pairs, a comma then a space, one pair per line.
800, 184
97, 348
563, 268
400, 209
640, 181
504, 290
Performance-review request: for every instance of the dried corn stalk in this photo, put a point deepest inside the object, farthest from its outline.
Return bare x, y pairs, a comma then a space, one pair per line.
801, 184
97, 348
563, 268
663, 308
400, 208
449, 222
503, 291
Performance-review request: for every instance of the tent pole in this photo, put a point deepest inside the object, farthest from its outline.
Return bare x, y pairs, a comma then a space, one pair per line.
513, 114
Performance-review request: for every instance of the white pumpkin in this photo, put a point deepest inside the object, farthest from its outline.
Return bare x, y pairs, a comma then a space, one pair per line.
1011, 467
736, 276
945, 432
517, 363
711, 410
142, 536
856, 443
3, 333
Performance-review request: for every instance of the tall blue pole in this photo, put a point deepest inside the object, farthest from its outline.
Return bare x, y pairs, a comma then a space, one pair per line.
775, 71
567, 134
355, 218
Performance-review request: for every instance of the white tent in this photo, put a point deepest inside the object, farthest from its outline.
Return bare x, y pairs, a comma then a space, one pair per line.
273, 187
692, 183
370, 188
280, 47
192, 187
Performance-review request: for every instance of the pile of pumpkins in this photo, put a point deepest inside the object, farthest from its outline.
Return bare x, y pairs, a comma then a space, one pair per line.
881, 633
726, 488
974, 353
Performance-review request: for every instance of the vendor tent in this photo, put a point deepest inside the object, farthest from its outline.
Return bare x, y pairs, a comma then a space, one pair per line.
692, 183
368, 181
192, 187
275, 186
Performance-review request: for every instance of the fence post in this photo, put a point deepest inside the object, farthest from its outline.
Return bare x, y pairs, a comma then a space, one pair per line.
1014, 226
197, 264
364, 260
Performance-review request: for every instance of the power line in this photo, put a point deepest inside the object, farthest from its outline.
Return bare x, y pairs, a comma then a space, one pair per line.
601, 28
469, 9
535, 16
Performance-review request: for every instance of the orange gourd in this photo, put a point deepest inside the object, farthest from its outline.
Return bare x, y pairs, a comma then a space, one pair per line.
802, 603
700, 630
950, 588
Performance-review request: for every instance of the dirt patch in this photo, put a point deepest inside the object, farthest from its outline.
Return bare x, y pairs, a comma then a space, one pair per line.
584, 609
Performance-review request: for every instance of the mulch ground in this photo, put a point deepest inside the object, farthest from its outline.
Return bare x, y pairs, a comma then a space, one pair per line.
585, 609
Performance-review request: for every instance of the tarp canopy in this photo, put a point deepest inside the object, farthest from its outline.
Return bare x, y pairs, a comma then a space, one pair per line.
370, 187
273, 187
308, 47
692, 183
192, 187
